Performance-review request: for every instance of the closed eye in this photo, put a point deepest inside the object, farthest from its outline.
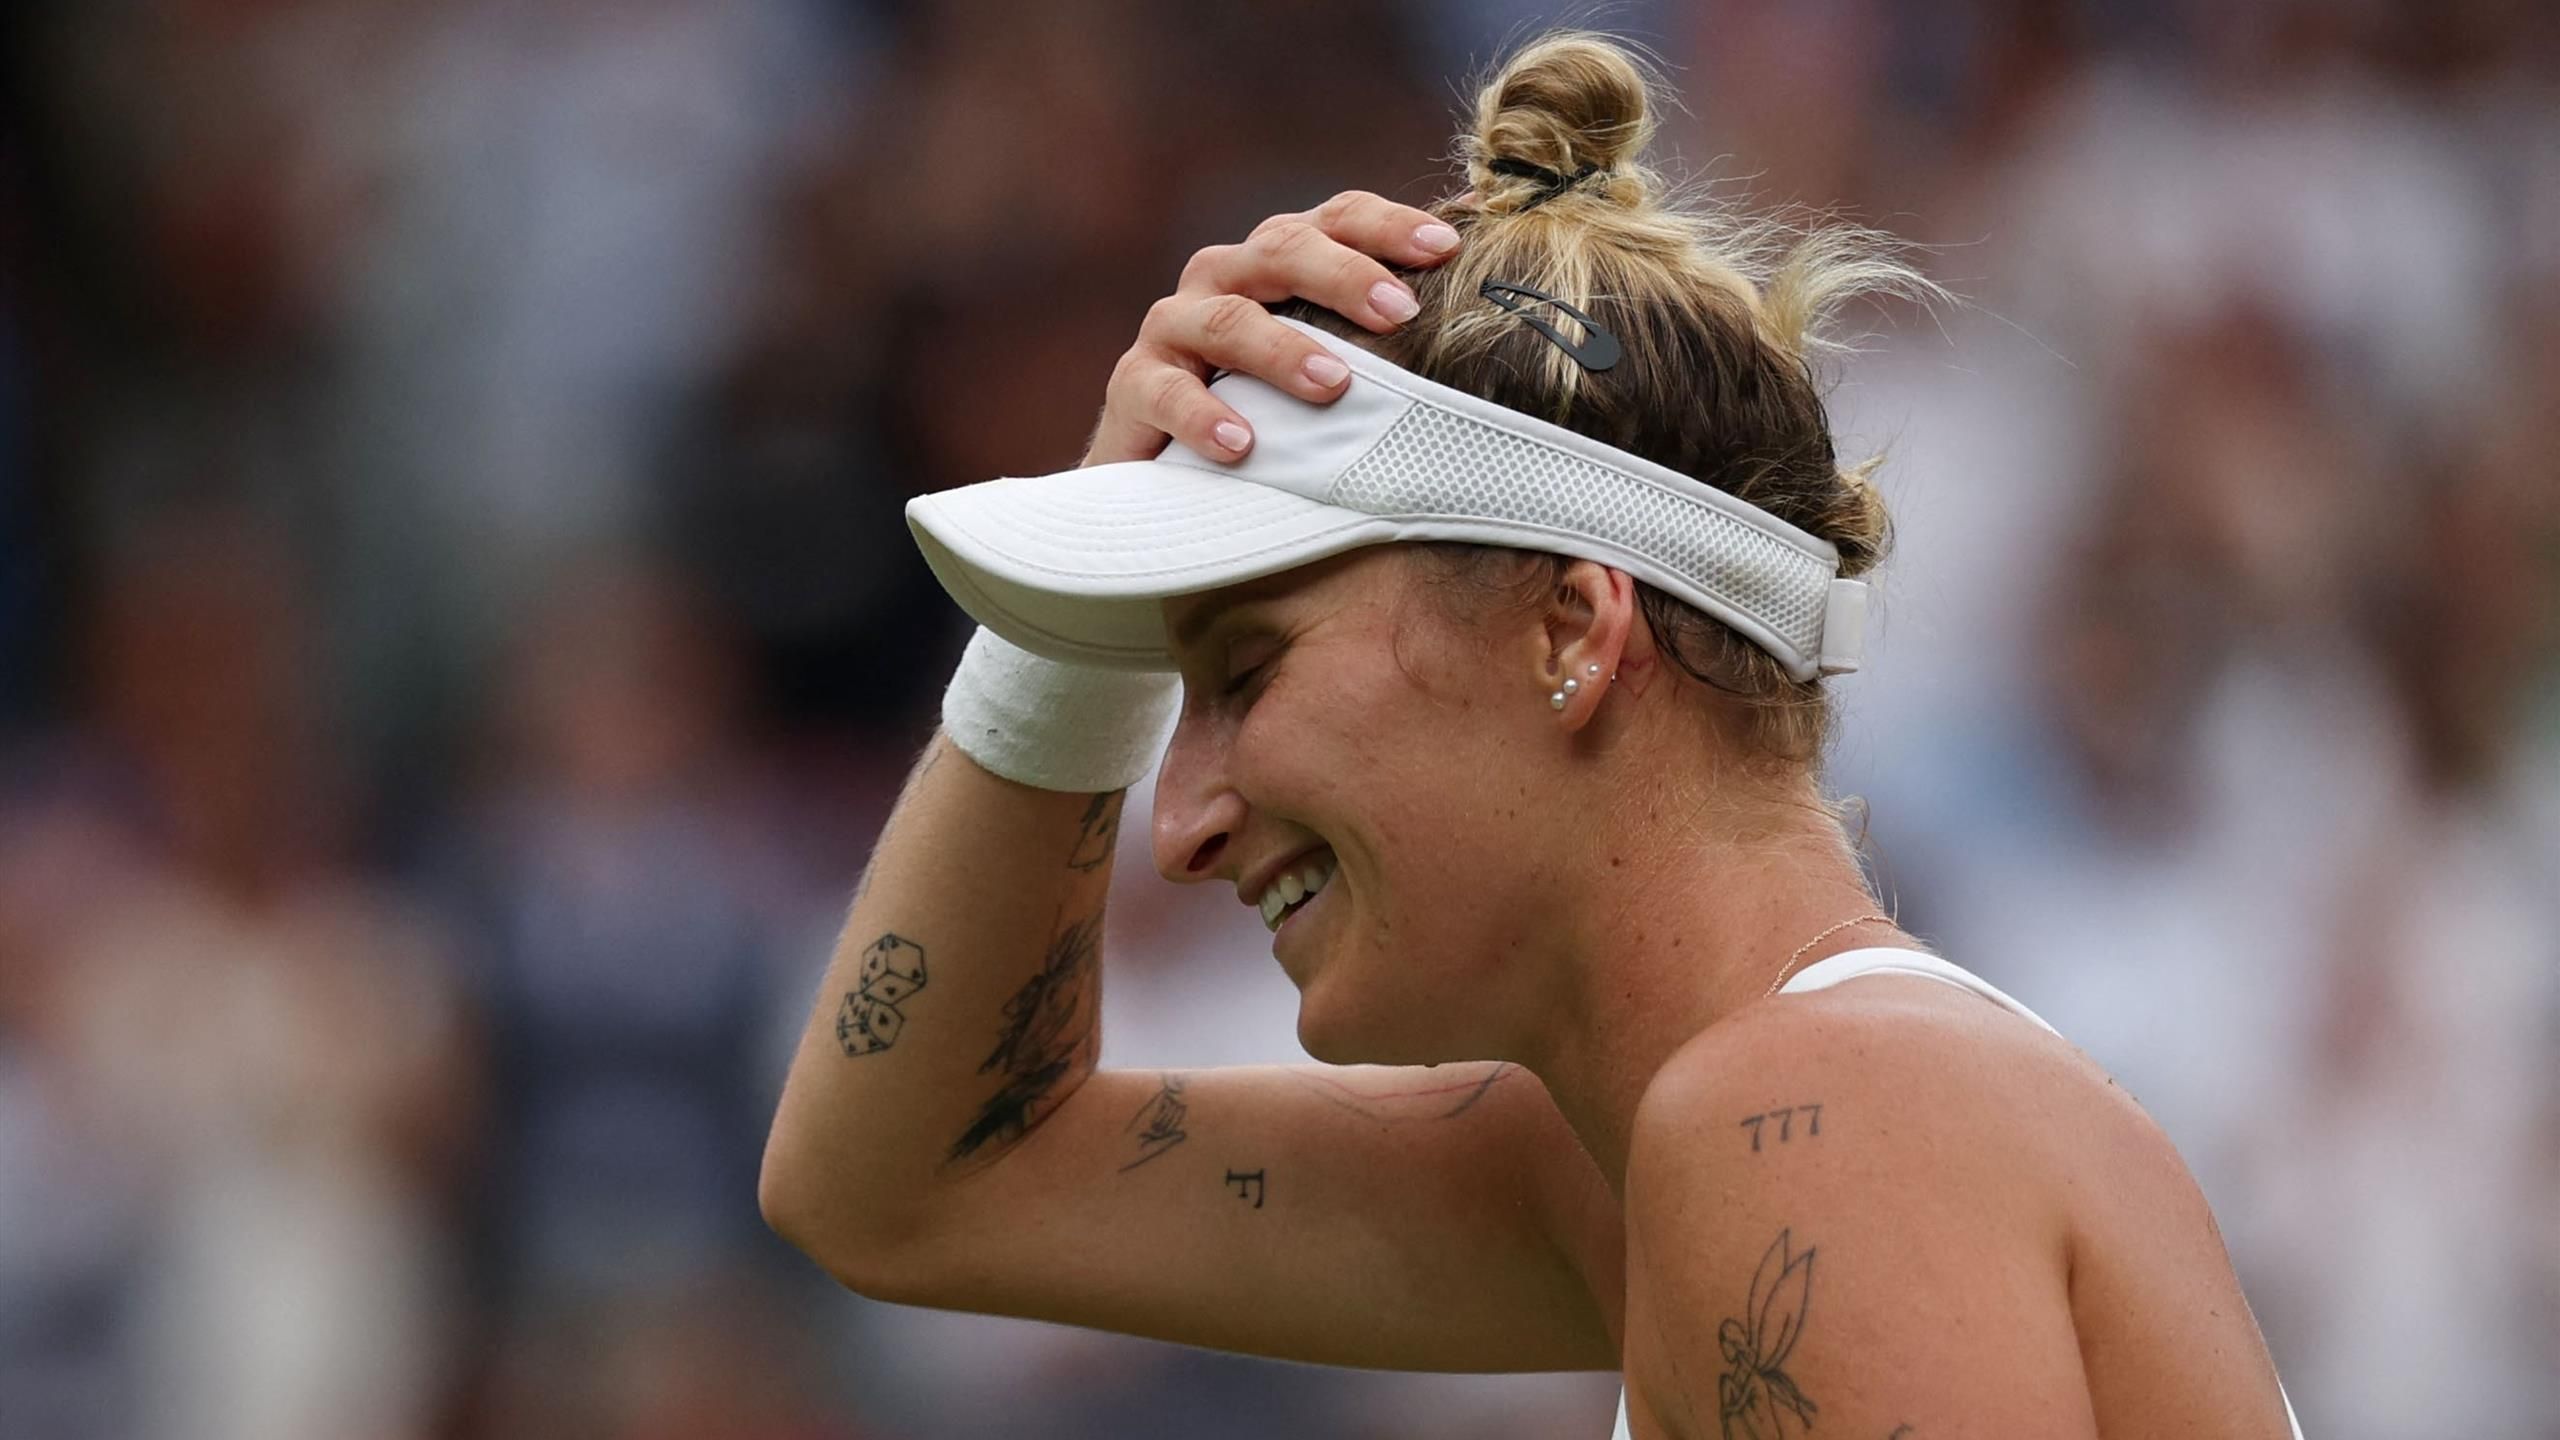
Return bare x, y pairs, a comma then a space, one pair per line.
1262, 651
1244, 677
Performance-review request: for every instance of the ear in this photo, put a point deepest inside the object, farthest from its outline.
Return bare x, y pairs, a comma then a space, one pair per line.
1590, 630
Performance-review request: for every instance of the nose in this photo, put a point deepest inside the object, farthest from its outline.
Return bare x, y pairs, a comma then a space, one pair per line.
1197, 812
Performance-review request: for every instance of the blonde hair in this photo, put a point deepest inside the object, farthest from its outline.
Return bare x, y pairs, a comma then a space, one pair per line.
1722, 315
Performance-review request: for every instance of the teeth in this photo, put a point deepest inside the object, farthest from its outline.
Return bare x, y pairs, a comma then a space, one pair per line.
1295, 886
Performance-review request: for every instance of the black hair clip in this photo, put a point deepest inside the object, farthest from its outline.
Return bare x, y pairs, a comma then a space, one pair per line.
1555, 182
1599, 349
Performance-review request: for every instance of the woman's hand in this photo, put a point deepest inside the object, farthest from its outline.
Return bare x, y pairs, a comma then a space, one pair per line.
1214, 320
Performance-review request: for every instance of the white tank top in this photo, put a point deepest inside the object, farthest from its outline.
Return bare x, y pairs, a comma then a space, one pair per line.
1849, 965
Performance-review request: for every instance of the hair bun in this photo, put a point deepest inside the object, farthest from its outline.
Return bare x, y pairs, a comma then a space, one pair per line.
1571, 100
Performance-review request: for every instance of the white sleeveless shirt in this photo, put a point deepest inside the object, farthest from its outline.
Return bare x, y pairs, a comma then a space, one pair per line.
1849, 965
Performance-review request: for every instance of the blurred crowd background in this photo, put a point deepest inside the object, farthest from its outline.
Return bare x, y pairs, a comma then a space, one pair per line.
458, 640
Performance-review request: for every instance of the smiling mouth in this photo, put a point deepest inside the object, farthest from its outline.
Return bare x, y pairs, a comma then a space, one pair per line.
1291, 913
1293, 889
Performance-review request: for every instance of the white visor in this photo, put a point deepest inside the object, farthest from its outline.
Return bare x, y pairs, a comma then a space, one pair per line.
1075, 565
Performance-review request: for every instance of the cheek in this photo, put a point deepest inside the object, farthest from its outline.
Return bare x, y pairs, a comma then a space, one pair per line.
1434, 900
1418, 786
1318, 733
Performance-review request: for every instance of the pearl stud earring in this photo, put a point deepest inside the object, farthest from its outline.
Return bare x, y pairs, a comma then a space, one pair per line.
1592, 670
1556, 701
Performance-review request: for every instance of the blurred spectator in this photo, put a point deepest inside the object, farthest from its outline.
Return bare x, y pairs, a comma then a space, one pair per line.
75, 1232
609, 871
784, 488
265, 1042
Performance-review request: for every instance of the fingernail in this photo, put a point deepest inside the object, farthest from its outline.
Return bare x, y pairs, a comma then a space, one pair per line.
1393, 301
1233, 436
1325, 370
1436, 237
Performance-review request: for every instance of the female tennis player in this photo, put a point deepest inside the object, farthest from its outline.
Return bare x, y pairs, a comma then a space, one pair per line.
1500, 571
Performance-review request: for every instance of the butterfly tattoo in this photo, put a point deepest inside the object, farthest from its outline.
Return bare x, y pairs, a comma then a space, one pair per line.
1755, 1394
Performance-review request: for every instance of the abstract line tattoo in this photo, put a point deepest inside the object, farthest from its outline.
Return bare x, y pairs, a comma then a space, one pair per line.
1785, 1116
1046, 1024
1754, 1396
1478, 1093
1098, 831
869, 1020
1431, 1102
1158, 1123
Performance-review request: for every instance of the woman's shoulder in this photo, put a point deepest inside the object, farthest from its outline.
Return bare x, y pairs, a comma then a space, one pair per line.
1899, 1175
1901, 1077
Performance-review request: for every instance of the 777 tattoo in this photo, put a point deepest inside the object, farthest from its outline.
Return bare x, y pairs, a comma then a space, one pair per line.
1785, 1116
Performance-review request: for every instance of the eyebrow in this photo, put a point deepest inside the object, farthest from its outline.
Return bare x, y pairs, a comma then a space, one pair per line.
1189, 631
1192, 628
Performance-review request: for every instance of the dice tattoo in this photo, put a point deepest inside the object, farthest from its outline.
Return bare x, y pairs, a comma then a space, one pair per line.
869, 1020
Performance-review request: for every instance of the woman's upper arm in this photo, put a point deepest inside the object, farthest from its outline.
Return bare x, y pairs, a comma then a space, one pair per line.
1818, 1228
1390, 1218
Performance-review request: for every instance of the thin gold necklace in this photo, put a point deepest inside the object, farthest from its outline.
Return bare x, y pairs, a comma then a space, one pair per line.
1790, 966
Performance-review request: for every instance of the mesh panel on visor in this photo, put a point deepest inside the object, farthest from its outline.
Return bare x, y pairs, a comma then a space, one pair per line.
1432, 462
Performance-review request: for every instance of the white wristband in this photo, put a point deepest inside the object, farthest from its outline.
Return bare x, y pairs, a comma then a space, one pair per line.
1053, 725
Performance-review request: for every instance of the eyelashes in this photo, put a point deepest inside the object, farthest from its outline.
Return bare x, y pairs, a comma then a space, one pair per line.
1267, 651
1242, 678
1264, 646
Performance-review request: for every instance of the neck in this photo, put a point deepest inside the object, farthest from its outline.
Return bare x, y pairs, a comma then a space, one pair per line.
1646, 973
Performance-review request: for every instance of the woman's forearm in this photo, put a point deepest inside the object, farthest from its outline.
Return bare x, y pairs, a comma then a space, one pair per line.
960, 1008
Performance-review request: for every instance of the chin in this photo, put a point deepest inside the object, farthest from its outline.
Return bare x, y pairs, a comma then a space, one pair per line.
1323, 1041
1332, 1037
1339, 1038
1321, 1047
